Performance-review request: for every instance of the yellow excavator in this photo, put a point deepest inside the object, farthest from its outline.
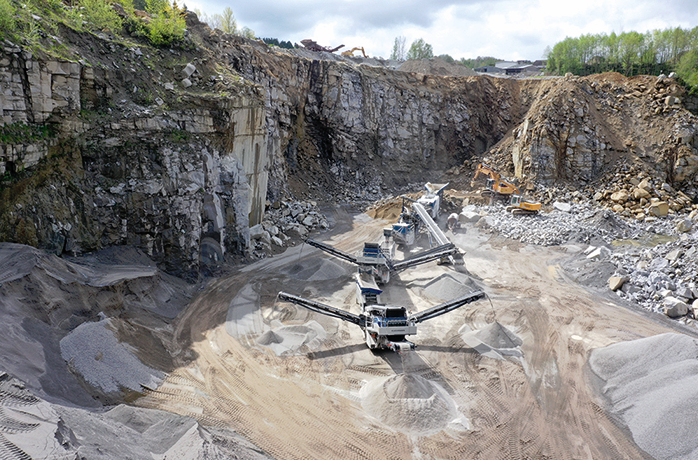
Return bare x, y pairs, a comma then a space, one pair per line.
498, 188
520, 206
351, 52
495, 187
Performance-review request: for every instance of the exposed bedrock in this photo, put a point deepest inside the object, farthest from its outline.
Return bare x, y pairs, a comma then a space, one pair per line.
178, 152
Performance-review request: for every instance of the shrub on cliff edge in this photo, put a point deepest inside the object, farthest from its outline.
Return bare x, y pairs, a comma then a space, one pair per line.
7, 20
100, 14
168, 25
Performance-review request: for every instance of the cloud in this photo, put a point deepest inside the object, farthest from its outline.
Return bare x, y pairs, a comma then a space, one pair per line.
505, 29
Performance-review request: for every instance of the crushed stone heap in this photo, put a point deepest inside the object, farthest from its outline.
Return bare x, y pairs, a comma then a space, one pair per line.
409, 402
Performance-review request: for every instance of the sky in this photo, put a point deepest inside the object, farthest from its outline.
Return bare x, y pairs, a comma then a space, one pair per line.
505, 29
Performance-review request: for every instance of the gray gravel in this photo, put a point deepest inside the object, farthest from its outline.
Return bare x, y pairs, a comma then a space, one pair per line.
652, 384
657, 261
93, 351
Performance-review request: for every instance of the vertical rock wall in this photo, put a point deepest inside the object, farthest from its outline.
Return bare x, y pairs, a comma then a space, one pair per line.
334, 126
181, 182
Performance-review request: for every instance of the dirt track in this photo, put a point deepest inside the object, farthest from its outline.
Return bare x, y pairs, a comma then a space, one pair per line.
308, 405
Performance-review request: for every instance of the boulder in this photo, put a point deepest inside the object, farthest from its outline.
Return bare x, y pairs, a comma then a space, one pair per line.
620, 196
671, 256
468, 216
684, 225
645, 184
564, 207
674, 308
639, 193
599, 253
186, 83
277, 241
258, 233
188, 70
616, 282
694, 308
297, 231
658, 208
684, 293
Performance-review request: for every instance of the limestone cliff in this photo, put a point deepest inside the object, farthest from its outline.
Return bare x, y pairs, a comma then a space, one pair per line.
108, 151
177, 152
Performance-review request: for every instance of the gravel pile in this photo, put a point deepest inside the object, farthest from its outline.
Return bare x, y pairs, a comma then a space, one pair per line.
656, 260
409, 403
93, 351
583, 224
285, 223
662, 278
652, 384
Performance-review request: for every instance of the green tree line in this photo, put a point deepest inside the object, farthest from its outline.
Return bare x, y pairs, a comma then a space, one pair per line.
630, 53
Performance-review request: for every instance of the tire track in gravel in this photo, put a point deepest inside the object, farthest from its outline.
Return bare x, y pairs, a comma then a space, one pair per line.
307, 405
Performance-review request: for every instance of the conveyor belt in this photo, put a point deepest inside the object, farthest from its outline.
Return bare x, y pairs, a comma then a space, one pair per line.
443, 308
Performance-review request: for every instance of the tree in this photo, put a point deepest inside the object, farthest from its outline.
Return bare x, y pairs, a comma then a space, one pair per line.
688, 69
479, 61
398, 52
247, 33
7, 17
167, 26
228, 23
420, 50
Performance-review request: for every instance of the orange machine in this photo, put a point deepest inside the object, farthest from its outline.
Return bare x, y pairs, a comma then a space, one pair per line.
495, 186
498, 188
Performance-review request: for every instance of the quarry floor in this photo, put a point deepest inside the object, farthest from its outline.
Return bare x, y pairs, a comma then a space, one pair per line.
535, 401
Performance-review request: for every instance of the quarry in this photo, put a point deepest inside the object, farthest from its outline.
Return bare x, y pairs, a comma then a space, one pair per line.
156, 201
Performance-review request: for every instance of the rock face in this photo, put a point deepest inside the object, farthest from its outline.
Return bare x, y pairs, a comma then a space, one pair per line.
121, 146
576, 127
163, 178
332, 125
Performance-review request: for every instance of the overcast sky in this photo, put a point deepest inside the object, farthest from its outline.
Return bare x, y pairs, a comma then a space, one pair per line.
504, 29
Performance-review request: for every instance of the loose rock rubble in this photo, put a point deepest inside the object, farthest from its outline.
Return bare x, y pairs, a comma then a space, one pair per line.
655, 260
663, 278
285, 224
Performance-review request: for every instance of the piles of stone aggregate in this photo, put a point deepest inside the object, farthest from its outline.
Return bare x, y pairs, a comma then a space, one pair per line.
656, 260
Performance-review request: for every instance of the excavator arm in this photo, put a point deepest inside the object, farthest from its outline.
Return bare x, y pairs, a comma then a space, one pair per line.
499, 186
484, 170
323, 309
446, 307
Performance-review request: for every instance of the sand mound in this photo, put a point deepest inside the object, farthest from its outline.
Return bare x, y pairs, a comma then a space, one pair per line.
498, 336
289, 339
652, 384
446, 288
317, 270
389, 210
436, 66
93, 351
409, 402
494, 341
